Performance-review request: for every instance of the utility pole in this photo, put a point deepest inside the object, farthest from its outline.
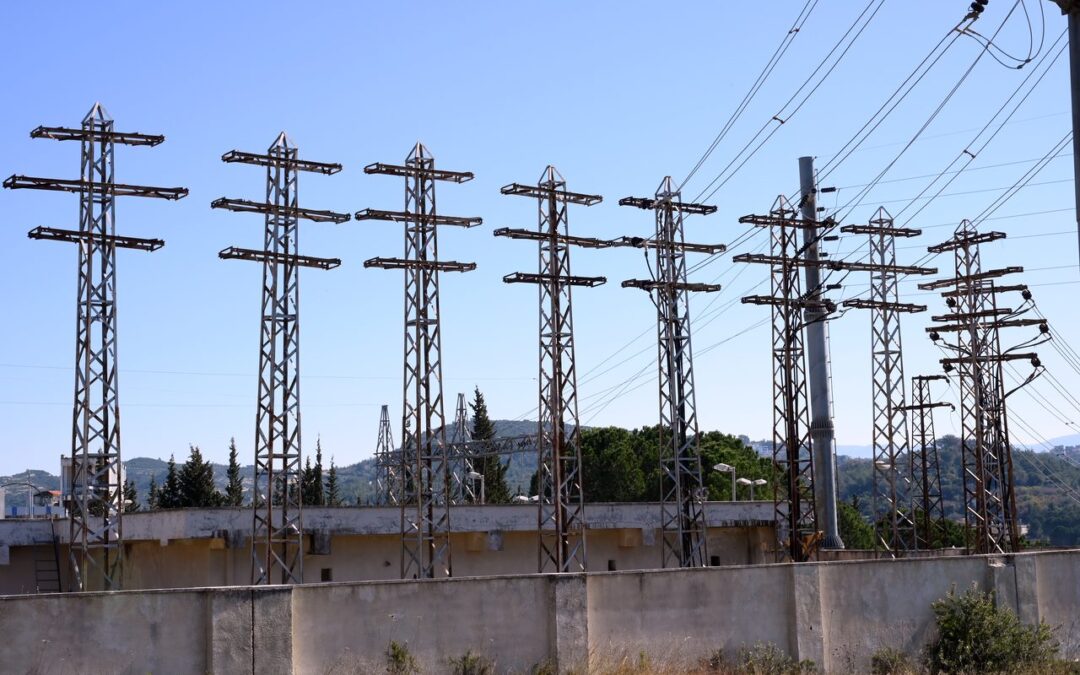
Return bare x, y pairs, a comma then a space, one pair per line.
893, 525
561, 515
927, 506
822, 432
277, 533
682, 487
96, 540
424, 468
387, 486
976, 318
1071, 8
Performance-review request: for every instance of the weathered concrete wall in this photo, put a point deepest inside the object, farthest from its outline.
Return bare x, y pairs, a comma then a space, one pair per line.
836, 614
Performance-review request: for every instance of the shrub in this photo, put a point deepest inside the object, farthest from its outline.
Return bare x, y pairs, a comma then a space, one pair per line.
768, 659
472, 664
889, 661
399, 661
976, 636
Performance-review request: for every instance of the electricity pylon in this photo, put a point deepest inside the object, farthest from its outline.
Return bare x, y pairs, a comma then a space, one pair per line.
927, 506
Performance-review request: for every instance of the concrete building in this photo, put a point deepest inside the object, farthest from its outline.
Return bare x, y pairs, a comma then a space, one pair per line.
189, 548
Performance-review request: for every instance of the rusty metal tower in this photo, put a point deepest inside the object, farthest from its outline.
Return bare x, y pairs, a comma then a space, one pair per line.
461, 465
387, 486
561, 517
682, 489
794, 505
977, 319
927, 506
424, 469
893, 526
277, 534
97, 477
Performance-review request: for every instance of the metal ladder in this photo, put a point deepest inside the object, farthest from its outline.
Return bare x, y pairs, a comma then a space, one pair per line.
47, 564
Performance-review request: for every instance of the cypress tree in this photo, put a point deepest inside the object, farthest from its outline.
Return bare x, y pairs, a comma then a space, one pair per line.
234, 491
496, 491
196, 482
152, 495
318, 496
333, 489
131, 497
307, 487
169, 495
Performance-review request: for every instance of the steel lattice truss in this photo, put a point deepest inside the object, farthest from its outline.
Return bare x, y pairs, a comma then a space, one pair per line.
387, 487
424, 469
976, 319
96, 506
462, 490
927, 507
561, 517
893, 527
277, 552
682, 490
794, 505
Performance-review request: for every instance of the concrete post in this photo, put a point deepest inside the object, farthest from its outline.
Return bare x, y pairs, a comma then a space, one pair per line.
569, 622
817, 370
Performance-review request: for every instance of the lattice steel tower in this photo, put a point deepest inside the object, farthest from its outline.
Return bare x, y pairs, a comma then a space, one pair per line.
893, 527
794, 504
927, 505
561, 517
682, 489
424, 469
461, 464
96, 504
278, 527
976, 318
387, 486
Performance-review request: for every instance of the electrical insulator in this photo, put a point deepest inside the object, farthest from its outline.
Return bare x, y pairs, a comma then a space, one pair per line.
1026, 294
935, 336
1043, 328
948, 368
951, 302
1035, 362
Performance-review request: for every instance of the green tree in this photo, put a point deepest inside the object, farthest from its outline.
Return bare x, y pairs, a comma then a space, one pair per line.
152, 495
318, 496
131, 497
169, 496
719, 448
491, 467
333, 488
855, 531
234, 490
610, 468
196, 481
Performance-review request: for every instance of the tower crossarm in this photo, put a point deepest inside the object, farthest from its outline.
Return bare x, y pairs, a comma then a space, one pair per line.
568, 279
422, 218
826, 306
967, 316
966, 239
986, 325
652, 285
650, 203
863, 303
569, 239
418, 171
956, 293
248, 206
542, 192
966, 280
652, 242
838, 265
883, 230
70, 134
81, 186
772, 220
991, 358
235, 253
296, 164
427, 265
75, 236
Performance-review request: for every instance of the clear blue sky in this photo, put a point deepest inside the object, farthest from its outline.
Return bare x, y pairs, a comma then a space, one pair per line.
615, 94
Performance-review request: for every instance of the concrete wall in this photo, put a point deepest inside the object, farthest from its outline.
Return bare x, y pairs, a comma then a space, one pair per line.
834, 613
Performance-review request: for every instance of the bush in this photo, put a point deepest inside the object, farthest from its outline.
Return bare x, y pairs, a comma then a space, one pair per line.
768, 659
889, 661
472, 664
976, 636
399, 661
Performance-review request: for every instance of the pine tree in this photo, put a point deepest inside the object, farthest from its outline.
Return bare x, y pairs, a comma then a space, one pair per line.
496, 491
307, 480
333, 489
169, 496
234, 491
318, 497
152, 495
131, 497
196, 482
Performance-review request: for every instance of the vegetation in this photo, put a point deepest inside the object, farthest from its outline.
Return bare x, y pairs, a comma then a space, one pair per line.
333, 489
131, 497
196, 482
976, 636
399, 661
491, 467
234, 489
470, 663
889, 661
855, 531
768, 659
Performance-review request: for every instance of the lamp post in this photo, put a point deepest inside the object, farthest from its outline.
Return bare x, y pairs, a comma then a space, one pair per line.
758, 482
476, 475
727, 468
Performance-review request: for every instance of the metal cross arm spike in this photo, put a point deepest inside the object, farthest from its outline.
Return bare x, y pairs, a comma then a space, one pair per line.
88, 186
75, 236
248, 206
105, 135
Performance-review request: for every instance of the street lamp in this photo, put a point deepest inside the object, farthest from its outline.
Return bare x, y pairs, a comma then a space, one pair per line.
727, 468
476, 475
747, 481
758, 482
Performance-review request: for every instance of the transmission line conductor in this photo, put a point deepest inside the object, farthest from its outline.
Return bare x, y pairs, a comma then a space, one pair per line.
682, 487
976, 319
94, 495
277, 541
424, 471
561, 506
